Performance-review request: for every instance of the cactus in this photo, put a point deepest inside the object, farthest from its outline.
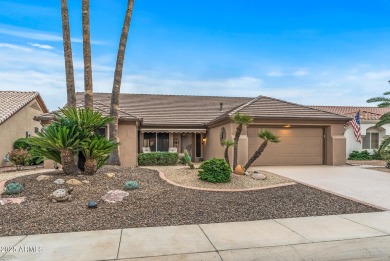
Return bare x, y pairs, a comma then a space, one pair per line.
13, 188
130, 185
187, 159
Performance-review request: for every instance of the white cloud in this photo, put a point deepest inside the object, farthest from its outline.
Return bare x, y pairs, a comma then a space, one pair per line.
42, 46
26, 33
296, 73
15, 47
300, 72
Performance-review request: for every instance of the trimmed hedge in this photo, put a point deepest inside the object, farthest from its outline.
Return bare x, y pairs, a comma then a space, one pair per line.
157, 158
214, 170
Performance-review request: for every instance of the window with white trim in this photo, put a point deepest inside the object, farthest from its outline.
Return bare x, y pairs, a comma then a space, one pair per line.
371, 141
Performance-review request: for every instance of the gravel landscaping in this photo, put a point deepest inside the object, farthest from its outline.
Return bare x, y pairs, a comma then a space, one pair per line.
189, 177
156, 203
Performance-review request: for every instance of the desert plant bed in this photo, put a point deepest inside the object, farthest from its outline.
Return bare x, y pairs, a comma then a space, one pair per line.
155, 203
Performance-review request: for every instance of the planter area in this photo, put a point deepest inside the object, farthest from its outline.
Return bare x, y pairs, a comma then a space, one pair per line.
154, 203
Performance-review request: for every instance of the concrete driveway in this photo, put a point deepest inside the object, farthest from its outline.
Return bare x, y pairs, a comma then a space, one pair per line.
364, 185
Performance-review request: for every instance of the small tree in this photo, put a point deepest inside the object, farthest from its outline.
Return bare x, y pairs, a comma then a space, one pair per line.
227, 144
240, 119
267, 136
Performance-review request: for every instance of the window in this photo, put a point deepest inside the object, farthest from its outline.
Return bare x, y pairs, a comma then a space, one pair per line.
102, 131
371, 140
156, 141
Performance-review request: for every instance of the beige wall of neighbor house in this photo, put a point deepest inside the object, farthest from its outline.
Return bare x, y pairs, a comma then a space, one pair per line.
16, 127
127, 134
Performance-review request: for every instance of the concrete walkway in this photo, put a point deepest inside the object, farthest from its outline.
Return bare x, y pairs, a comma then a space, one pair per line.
364, 185
354, 236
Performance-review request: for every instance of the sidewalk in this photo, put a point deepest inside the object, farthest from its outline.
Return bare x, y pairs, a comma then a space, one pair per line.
352, 236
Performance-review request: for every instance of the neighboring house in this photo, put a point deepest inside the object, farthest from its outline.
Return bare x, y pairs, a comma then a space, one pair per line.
369, 117
197, 123
17, 110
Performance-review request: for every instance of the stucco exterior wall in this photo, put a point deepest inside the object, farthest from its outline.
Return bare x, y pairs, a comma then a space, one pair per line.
127, 134
213, 148
353, 145
17, 126
335, 145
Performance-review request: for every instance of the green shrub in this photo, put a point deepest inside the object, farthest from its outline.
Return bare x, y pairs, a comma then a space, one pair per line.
214, 170
23, 143
157, 158
364, 155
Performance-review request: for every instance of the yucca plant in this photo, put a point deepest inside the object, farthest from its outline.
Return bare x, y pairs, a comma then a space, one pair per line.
240, 119
267, 136
59, 138
96, 151
227, 144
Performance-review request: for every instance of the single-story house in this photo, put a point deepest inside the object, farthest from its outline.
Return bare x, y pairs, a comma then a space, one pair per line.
369, 117
17, 110
198, 123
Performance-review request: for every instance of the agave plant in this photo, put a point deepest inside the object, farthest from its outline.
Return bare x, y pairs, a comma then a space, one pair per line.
96, 151
267, 136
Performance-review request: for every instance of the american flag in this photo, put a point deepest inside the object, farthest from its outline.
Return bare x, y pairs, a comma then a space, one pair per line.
356, 127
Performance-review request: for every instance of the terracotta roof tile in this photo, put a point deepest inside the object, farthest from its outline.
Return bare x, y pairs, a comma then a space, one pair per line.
366, 113
12, 101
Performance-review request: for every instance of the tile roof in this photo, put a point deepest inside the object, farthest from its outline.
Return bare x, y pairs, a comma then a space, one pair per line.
12, 101
98, 106
177, 110
267, 107
366, 113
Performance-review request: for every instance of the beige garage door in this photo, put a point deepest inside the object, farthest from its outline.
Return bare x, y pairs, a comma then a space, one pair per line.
298, 146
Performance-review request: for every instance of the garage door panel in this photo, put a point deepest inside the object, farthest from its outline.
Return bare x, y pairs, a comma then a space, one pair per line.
298, 146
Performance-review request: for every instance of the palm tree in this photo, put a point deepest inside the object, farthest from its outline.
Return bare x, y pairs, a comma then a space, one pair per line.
70, 86
267, 136
240, 119
116, 88
87, 56
227, 144
96, 152
384, 119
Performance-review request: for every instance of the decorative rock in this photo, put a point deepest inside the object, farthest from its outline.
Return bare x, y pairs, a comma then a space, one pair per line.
13, 188
43, 177
92, 204
114, 196
130, 185
61, 195
259, 176
110, 175
6, 201
86, 181
75, 182
59, 181
239, 170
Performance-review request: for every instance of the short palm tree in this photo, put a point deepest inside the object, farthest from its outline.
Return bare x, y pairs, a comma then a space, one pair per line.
240, 119
267, 136
63, 139
96, 151
227, 144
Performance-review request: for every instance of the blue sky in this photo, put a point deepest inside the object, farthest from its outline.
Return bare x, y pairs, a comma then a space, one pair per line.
308, 52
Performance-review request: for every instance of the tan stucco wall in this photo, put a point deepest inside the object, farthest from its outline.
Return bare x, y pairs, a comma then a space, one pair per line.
16, 127
127, 134
335, 142
213, 148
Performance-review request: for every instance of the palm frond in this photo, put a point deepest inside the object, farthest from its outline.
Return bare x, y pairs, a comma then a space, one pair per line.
268, 136
243, 119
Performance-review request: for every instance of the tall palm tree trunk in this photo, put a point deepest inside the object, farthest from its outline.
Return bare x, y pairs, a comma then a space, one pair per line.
70, 86
256, 154
236, 139
114, 157
87, 56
